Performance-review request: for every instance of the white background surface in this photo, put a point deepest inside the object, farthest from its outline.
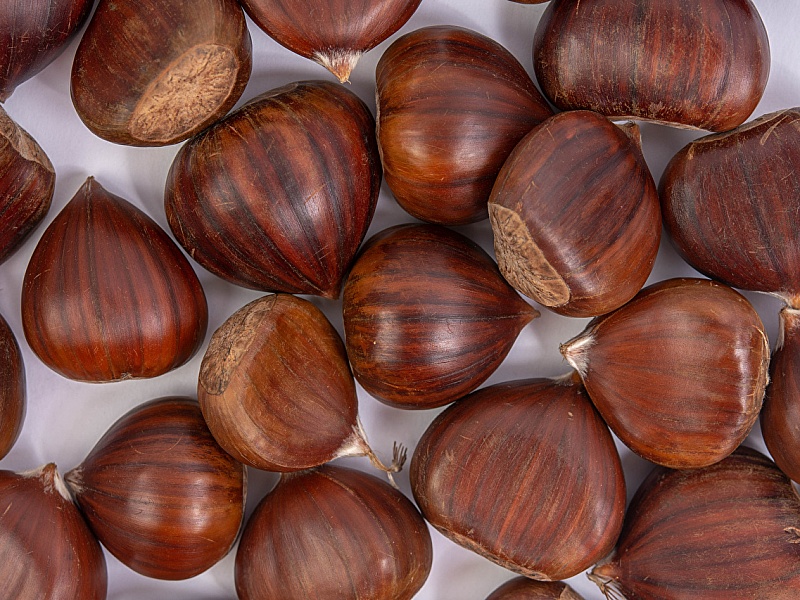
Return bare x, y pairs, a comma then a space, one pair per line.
65, 418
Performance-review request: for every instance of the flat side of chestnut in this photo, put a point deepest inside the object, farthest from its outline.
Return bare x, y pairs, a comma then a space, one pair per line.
427, 316
701, 65
346, 534
279, 195
526, 474
678, 373
12, 389
334, 33
159, 493
156, 72
724, 532
34, 34
729, 202
107, 295
575, 215
452, 104
522, 588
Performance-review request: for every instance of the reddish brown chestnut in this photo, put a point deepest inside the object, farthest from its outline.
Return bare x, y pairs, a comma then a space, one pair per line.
729, 202
156, 72
427, 316
107, 295
46, 549
159, 493
522, 588
526, 474
279, 195
333, 533
33, 34
724, 532
575, 215
700, 65
27, 182
334, 33
452, 104
12, 388
678, 373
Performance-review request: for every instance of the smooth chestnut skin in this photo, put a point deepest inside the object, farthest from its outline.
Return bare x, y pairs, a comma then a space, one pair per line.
47, 551
107, 295
33, 33
12, 389
724, 532
156, 72
701, 65
427, 316
526, 474
575, 215
27, 183
678, 373
334, 33
729, 202
780, 417
159, 493
452, 104
522, 588
279, 195
333, 533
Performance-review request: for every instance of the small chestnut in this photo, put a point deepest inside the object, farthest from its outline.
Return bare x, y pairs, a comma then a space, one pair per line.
12, 388
522, 588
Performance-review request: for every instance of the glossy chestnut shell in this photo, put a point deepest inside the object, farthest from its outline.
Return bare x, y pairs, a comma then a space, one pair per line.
12, 388
522, 588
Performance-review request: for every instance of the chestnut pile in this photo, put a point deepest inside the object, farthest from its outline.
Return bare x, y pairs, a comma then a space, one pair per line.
254, 304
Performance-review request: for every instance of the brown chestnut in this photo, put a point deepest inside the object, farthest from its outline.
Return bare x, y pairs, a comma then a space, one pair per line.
522, 588
107, 295
452, 104
333, 533
526, 474
729, 531
678, 373
700, 65
159, 493
334, 33
156, 72
575, 215
34, 34
279, 195
427, 316
12, 388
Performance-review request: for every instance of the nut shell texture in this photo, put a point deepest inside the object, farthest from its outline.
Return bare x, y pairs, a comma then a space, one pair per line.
522, 588
279, 196
12, 389
333, 533
452, 104
729, 202
107, 295
699, 64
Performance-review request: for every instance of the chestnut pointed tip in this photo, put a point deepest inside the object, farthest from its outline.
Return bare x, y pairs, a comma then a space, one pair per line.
50, 479
603, 576
575, 352
340, 62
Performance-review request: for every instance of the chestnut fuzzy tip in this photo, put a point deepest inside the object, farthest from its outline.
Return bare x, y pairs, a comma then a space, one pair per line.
339, 62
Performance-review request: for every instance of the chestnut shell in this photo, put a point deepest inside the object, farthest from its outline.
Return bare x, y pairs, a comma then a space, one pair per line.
12, 389
522, 588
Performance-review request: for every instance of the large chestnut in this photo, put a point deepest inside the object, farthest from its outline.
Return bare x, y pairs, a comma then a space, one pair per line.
427, 316
12, 388
279, 195
452, 104
700, 65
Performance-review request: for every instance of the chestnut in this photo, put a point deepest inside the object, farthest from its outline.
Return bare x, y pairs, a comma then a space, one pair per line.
522, 588
701, 65
12, 388
452, 104
156, 72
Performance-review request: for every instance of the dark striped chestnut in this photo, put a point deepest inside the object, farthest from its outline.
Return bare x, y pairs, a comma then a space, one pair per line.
279, 195
678, 373
525, 474
729, 531
700, 65
156, 72
12, 389
159, 493
452, 104
27, 183
427, 316
34, 34
333, 533
522, 588
333, 33
46, 549
729, 202
575, 215
107, 295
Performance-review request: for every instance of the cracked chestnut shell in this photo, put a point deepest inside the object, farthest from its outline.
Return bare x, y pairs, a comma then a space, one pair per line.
701, 65
12, 388
522, 588
156, 72
678, 373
